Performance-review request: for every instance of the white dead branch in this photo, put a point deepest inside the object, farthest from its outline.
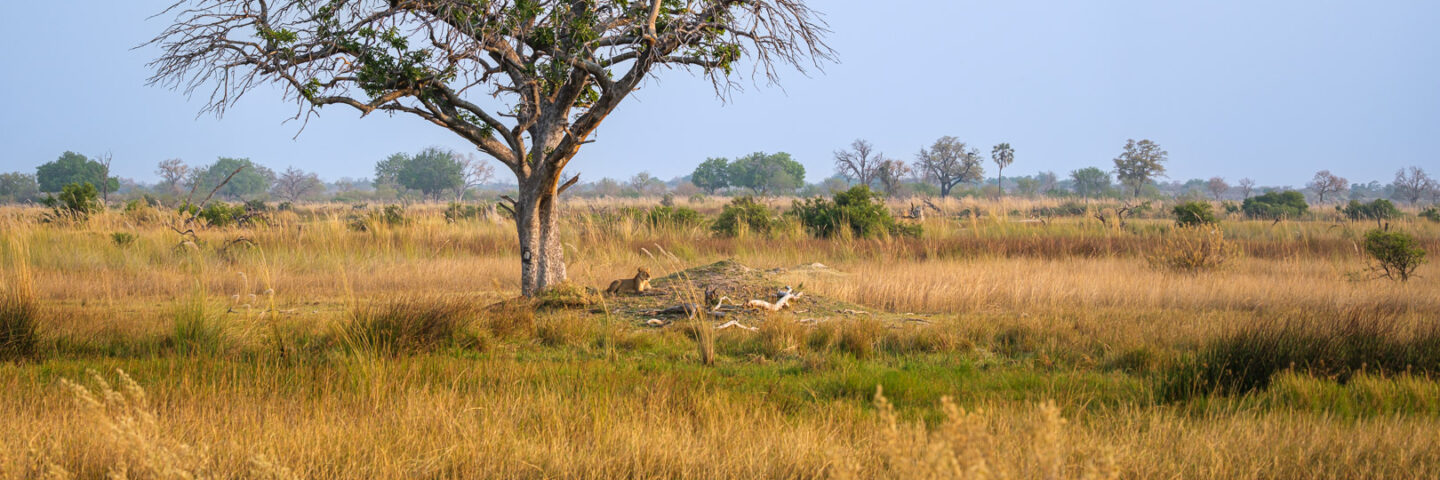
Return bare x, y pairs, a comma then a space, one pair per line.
786, 295
736, 324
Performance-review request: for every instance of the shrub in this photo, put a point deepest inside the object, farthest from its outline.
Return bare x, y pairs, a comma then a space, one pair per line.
77, 201
669, 216
744, 215
1193, 249
122, 238
256, 206
858, 209
1231, 207
393, 215
457, 212
406, 326
1431, 214
1378, 210
221, 214
1190, 214
1275, 205
1396, 254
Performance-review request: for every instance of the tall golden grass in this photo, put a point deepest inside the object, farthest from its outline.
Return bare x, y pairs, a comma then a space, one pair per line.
1026, 310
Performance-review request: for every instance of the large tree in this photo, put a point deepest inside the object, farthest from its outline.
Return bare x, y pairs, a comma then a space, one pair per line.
1326, 183
294, 184
859, 164
526, 81
711, 175
1217, 187
75, 168
948, 163
1412, 184
247, 179
1003, 156
172, 172
432, 172
1090, 181
1141, 162
767, 174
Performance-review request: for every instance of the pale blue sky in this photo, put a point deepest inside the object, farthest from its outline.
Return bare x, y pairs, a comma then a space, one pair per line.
1272, 90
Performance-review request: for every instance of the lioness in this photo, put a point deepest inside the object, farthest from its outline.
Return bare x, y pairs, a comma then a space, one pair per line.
636, 285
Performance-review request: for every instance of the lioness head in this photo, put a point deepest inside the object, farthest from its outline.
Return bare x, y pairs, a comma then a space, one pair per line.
642, 275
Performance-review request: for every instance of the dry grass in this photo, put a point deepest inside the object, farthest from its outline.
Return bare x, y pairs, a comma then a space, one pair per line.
254, 372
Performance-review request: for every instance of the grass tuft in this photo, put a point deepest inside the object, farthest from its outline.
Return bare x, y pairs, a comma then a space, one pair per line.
407, 326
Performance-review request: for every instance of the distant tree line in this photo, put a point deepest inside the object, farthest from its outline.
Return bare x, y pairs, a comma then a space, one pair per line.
946, 167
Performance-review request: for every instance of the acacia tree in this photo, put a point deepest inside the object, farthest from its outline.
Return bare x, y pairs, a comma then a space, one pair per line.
1003, 156
526, 81
1326, 183
1139, 163
949, 163
861, 163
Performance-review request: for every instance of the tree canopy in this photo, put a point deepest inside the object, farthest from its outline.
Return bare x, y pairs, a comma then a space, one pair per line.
949, 163
527, 82
1090, 181
711, 175
249, 179
71, 168
767, 174
1141, 162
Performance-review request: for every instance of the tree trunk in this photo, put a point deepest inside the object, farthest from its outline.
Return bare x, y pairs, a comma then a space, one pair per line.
542, 257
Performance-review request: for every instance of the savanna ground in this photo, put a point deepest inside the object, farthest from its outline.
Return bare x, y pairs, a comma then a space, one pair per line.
1004, 347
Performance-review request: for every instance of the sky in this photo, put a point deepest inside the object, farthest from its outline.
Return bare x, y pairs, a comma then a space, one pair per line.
1271, 90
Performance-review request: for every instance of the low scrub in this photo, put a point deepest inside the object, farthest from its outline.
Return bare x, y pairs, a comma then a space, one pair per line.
1276, 206
670, 216
1248, 360
407, 326
1396, 255
1193, 214
742, 216
857, 211
1193, 249
1378, 210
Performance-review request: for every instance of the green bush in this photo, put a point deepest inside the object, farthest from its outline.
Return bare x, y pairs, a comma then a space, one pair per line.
744, 215
394, 215
122, 238
858, 209
1378, 210
77, 201
1192, 214
1431, 214
1231, 207
1276, 205
1396, 254
669, 216
221, 214
256, 206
